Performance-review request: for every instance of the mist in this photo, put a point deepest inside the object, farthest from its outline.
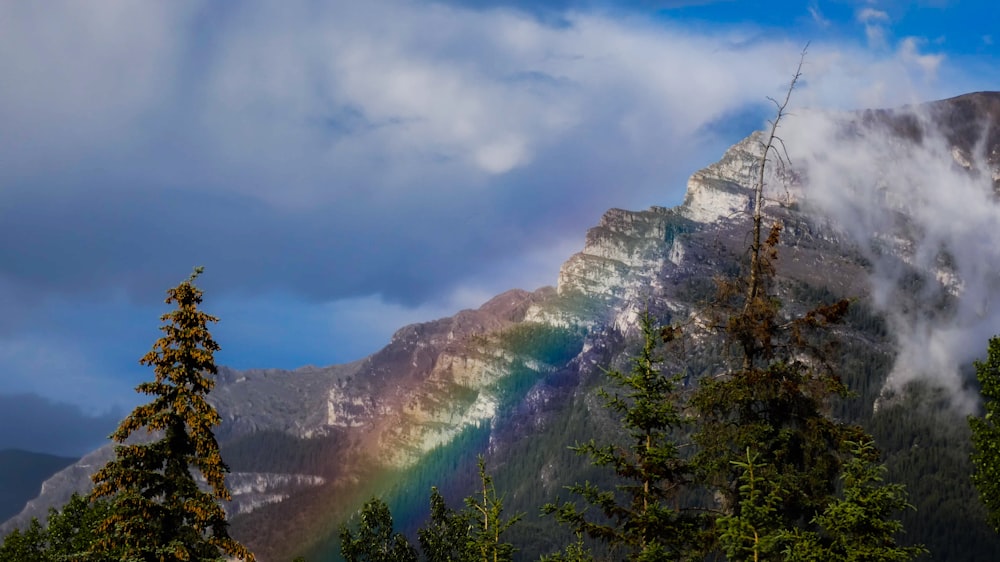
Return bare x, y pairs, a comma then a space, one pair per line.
914, 190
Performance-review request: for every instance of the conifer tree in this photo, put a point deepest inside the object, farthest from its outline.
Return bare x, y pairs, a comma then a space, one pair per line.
772, 409
67, 534
638, 516
486, 515
375, 540
756, 532
158, 511
858, 526
986, 434
446, 538
473, 534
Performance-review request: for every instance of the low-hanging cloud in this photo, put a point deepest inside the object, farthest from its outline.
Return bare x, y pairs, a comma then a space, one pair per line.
923, 210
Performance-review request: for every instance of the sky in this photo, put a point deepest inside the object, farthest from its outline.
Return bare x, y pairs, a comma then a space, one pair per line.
344, 168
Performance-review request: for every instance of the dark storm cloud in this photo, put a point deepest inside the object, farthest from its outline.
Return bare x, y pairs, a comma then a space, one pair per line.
33, 423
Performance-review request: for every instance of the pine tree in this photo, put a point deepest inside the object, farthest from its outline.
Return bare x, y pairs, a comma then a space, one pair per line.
756, 532
772, 409
858, 526
986, 434
486, 514
473, 534
67, 534
638, 516
375, 540
446, 538
158, 511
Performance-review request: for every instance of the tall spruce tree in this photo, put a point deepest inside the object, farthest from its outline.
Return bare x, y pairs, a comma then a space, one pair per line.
986, 434
639, 517
768, 448
158, 511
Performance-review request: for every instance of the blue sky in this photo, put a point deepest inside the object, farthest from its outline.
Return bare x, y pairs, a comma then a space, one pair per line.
344, 168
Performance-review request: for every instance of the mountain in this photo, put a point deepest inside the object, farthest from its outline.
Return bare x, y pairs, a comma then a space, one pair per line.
868, 202
22, 474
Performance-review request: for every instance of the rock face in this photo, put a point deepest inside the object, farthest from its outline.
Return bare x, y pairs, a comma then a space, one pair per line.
521, 359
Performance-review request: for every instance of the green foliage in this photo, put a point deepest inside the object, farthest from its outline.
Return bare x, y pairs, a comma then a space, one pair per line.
859, 526
986, 434
375, 540
778, 412
575, 552
755, 531
927, 446
158, 510
636, 516
485, 512
31, 545
473, 534
72, 531
446, 538
67, 535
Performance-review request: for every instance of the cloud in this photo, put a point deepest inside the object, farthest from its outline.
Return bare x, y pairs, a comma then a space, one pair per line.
34, 423
339, 155
873, 21
909, 52
924, 213
817, 15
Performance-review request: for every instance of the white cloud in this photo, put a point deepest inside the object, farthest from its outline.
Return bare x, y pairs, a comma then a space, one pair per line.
502, 156
873, 21
817, 15
328, 151
909, 52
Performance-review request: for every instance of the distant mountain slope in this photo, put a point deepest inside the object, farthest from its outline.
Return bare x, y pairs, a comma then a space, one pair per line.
21, 477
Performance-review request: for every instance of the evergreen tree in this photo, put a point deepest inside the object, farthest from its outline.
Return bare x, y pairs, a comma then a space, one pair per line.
772, 409
755, 533
67, 535
859, 525
446, 538
638, 516
485, 511
72, 530
473, 534
986, 434
30, 545
158, 512
375, 540
575, 552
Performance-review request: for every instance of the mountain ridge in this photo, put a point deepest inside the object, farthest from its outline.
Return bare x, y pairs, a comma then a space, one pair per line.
518, 365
